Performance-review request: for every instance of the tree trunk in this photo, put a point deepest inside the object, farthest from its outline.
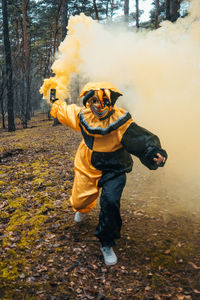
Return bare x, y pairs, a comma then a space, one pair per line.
137, 13
107, 3
64, 18
112, 8
27, 61
47, 60
2, 114
23, 102
126, 10
17, 39
2, 106
2, 90
156, 14
172, 10
168, 16
175, 10
56, 27
9, 80
96, 10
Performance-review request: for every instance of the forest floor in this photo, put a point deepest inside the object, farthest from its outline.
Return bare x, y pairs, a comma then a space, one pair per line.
45, 255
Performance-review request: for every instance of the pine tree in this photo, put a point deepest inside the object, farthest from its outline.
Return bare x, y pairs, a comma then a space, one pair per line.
9, 71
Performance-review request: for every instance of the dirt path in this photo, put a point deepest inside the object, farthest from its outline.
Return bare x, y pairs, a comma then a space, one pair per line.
44, 255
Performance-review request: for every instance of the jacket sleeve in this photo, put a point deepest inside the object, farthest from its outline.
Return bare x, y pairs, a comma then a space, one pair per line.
143, 144
66, 114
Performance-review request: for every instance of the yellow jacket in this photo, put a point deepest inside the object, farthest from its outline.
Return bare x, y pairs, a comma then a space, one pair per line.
105, 149
112, 139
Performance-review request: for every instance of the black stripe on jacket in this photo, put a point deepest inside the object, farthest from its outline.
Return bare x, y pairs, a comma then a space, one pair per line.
103, 131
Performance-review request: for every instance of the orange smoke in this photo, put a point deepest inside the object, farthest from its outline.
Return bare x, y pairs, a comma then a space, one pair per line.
158, 73
68, 57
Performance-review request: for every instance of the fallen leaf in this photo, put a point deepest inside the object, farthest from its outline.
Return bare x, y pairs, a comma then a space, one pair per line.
180, 297
193, 265
22, 276
78, 290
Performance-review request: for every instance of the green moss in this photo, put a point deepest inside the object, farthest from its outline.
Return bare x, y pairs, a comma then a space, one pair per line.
39, 164
37, 220
5, 167
23, 165
38, 181
50, 189
19, 146
44, 173
35, 164
67, 182
9, 270
4, 214
13, 190
17, 202
7, 195
16, 221
28, 221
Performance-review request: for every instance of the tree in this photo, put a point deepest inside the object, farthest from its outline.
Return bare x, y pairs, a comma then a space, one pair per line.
112, 7
137, 13
156, 13
2, 91
126, 10
64, 13
26, 46
172, 10
56, 26
96, 10
165, 10
168, 15
9, 79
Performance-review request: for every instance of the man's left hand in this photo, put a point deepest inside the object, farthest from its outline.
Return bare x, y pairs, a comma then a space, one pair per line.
159, 159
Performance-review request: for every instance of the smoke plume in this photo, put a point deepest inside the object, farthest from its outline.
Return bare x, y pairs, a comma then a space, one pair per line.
158, 73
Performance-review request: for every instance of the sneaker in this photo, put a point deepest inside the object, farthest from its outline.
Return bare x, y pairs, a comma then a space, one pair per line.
79, 217
109, 255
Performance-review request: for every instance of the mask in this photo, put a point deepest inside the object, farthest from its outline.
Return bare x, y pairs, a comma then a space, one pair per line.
100, 103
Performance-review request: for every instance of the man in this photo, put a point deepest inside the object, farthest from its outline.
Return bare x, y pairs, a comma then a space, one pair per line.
103, 158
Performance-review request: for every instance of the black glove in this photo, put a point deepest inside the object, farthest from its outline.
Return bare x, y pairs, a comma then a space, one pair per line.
52, 100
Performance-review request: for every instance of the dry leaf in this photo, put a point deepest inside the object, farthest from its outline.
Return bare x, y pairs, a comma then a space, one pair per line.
194, 266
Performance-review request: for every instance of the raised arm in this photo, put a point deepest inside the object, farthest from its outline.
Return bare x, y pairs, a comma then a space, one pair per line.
145, 145
66, 114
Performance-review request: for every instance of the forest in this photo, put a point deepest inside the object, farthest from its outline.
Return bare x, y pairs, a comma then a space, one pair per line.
44, 254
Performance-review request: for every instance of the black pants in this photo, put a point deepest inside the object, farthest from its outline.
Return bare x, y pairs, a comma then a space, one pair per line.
110, 221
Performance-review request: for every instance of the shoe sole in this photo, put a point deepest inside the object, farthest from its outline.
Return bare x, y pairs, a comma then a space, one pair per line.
110, 264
